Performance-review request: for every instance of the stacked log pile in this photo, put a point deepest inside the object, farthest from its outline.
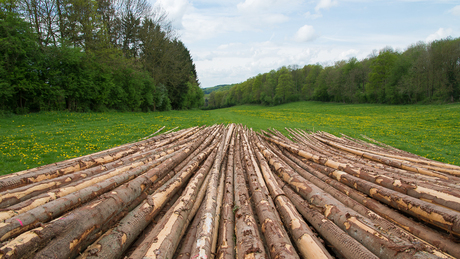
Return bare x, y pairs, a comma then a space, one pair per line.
229, 192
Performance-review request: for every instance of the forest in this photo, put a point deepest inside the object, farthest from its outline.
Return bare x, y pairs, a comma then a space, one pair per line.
92, 55
423, 73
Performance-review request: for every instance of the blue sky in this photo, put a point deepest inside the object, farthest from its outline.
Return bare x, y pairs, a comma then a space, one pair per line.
233, 40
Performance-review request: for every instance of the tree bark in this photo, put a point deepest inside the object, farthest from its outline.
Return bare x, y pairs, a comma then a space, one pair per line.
248, 241
306, 241
226, 244
204, 235
122, 236
361, 228
275, 235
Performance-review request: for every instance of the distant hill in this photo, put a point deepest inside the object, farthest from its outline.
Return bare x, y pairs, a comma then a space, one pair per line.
216, 88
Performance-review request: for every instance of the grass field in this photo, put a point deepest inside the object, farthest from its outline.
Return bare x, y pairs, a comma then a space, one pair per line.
32, 140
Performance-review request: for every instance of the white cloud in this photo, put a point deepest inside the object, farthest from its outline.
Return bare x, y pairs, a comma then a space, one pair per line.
229, 45
308, 15
233, 40
198, 27
325, 4
236, 62
348, 54
274, 18
255, 5
455, 11
440, 34
322, 4
175, 9
305, 33
260, 13
204, 26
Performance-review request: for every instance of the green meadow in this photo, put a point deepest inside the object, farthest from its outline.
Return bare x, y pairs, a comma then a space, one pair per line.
28, 141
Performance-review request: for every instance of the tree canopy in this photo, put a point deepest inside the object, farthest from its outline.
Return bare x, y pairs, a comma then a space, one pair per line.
83, 55
423, 73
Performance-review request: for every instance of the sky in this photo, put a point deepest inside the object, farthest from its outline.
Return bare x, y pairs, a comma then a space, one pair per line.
233, 40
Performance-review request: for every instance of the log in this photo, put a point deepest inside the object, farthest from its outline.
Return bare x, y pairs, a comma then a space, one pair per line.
122, 236
390, 171
64, 162
387, 160
166, 236
390, 228
429, 235
341, 241
442, 217
32, 176
226, 244
204, 235
220, 196
356, 225
80, 223
34, 195
275, 235
307, 243
248, 241
189, 240
163, 234
31, 214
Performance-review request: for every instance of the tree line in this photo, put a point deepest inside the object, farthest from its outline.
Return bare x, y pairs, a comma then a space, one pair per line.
92, 55
423, 73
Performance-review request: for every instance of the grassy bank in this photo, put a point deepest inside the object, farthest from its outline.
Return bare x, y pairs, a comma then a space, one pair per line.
32, 140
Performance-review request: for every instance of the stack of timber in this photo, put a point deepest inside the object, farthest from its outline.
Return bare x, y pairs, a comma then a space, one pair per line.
229, 192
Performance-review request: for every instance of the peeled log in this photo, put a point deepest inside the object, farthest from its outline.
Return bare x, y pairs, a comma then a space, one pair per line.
417, 229
64, 162
439, 216
361, 228
189, 240
381, 173
302, 234
54, 194
342, 242
276, 237
390, 228
248, 241
95, 208
417, 189
113, 245
226, 244
220, 196
79, 224
167, 234
204, 235
429, 164
73, 165
388, 161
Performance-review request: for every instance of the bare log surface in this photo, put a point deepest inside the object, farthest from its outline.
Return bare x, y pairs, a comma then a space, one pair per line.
276, 237
307, 243
429, 235
226, 244
228, 192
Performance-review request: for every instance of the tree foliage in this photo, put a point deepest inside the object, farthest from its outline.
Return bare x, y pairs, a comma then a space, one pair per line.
83, 55
423, 73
